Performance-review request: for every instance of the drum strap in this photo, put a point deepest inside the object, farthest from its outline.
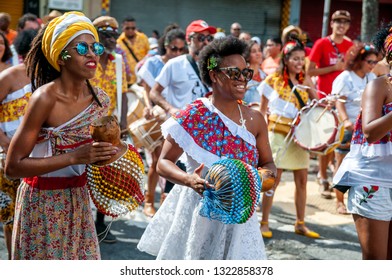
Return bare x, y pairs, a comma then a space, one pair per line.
301, 102
196, 69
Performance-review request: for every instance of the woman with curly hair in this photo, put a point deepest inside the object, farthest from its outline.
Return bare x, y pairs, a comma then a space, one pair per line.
366, 169
283, 104
177, 231
349, 85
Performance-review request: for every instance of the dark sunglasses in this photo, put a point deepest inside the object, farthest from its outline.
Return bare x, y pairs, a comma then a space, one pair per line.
130, 27
109, 34
202, 38
82, 48
234, 73
371, 62
176, 49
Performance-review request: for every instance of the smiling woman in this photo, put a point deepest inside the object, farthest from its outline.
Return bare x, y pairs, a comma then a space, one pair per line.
53, 218
212, 128
283, 101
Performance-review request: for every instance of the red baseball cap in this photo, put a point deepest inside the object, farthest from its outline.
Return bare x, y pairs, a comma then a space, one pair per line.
199, 26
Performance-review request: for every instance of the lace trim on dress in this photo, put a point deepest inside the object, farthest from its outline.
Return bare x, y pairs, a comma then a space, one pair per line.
378, 150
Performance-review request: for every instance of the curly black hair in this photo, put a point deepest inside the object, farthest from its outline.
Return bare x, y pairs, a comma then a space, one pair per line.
219, 48
7, 50
381, 35
23, 41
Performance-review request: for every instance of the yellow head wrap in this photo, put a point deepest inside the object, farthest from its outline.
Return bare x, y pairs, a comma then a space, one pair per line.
61, 31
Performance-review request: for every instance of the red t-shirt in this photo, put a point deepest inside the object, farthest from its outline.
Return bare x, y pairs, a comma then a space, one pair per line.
324, 54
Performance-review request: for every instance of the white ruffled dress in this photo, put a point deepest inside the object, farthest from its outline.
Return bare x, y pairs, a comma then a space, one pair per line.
177, 231
367, 163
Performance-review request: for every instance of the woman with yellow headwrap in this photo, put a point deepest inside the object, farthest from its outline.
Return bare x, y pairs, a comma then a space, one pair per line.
52, 146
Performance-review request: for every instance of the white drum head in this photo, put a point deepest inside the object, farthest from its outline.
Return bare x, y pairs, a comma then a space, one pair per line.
316, 128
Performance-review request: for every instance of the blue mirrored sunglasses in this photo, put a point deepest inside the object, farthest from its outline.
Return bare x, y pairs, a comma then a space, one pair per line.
82, 48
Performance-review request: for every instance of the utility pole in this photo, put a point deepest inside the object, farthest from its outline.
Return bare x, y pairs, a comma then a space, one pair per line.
369, 23
327, 6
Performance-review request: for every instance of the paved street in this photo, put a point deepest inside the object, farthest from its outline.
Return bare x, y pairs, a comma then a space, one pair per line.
338, 236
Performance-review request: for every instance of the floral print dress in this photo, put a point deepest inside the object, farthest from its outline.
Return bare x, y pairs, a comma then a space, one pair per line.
12, 110
53, 217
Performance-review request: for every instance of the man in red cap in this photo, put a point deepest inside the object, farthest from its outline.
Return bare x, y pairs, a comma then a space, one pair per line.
181, 76
327, 62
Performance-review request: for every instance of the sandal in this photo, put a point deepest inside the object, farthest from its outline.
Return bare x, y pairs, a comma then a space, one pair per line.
301, 229
341, 209
325, 189
265, 234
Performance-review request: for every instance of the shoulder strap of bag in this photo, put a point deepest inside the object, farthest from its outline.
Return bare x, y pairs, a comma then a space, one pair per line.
130, 50
335, 47
196, 69
301, 102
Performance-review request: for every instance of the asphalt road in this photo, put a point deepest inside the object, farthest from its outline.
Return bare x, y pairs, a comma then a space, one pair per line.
338, 236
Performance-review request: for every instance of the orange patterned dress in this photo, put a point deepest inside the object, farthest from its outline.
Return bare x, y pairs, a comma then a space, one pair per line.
12, 110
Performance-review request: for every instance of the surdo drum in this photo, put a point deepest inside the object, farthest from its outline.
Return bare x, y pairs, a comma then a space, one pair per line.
317, 129
147, 133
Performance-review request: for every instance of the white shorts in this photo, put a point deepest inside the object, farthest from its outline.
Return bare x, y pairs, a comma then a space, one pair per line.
371, 202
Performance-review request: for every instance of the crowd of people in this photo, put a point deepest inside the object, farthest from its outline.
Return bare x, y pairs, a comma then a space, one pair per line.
221, 96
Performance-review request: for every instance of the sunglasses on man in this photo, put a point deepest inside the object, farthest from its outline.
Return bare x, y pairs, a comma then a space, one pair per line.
202, 38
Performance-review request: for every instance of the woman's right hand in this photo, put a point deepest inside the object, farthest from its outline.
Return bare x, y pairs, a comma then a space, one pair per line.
195, 181
147, 113
96, 151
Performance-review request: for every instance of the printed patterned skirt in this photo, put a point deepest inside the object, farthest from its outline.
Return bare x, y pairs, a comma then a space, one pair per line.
54, 224
8, 189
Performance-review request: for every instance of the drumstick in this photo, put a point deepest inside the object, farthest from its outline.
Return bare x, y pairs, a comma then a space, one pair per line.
321, 114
